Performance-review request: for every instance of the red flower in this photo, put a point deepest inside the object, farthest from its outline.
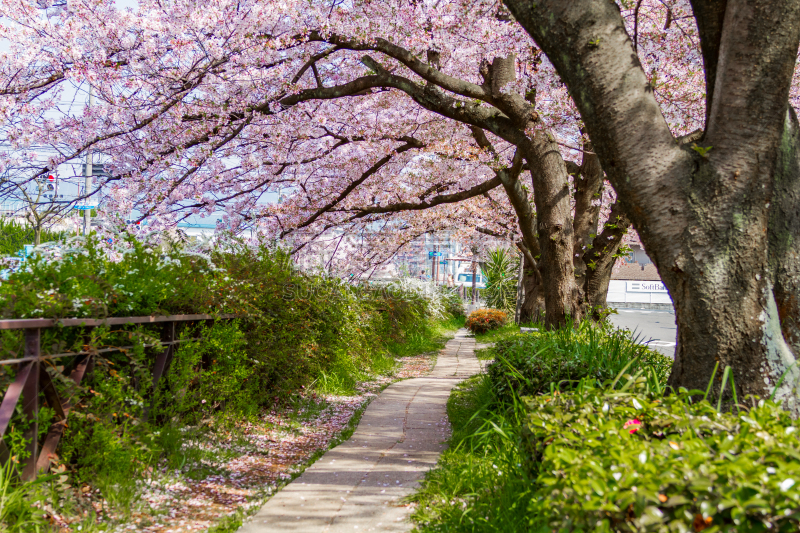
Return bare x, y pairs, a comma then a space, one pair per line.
632, 422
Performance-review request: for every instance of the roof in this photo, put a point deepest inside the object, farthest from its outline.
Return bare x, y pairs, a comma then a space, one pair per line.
636, 272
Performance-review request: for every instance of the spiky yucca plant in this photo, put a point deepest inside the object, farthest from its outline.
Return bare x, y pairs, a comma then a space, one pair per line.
501, 271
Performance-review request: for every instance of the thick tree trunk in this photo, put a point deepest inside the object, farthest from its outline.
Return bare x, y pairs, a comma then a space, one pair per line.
554, 228
724, 306
553, 282
533, 307
551, 195
703, 210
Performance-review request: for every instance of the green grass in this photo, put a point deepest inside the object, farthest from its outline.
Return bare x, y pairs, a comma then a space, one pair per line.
533, 363
429, 338
17, 515
495, 335
342, 375
478, 485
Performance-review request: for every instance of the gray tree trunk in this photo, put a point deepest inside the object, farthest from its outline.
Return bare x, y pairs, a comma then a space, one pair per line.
703, 210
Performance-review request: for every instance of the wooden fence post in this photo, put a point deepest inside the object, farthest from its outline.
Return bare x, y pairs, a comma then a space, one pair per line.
30, 401
62, 411
162, 362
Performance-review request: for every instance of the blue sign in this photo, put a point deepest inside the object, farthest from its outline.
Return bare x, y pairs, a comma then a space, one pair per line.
84, 207
435, 254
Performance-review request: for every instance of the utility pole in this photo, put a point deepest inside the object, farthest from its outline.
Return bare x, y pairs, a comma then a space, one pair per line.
436, 264
433, 265
87, 183
474, 268
519, 290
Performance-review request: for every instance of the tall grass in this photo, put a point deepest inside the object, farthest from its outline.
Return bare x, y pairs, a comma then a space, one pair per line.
19, 512
479, 485
530, 363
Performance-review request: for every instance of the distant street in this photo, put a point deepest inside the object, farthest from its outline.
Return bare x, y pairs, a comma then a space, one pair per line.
654, 327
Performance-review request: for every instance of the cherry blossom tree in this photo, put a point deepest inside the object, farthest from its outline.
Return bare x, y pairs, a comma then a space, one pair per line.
716, 210
384, 119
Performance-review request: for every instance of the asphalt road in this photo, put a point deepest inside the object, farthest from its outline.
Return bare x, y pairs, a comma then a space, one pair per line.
655, 328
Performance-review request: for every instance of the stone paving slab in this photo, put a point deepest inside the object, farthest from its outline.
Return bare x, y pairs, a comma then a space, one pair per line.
358, 485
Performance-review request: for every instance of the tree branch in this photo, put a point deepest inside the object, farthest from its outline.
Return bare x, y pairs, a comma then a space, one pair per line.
436, 200
410, 144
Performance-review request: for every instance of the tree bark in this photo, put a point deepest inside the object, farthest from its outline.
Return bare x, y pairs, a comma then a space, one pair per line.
600, 260
554, 228
702, 211
547, 233
533, 303
588, 180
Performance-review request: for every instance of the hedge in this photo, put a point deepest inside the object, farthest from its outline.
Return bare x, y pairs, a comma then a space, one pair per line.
636, 460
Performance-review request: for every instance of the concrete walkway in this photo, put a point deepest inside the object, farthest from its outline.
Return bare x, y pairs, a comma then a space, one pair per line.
357, 485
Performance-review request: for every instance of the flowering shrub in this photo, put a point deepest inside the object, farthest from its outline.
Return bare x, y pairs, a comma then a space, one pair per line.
634, 460
92, 277
483, 320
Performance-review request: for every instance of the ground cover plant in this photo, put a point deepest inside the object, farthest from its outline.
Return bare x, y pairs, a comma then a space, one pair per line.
296, 333
633, 459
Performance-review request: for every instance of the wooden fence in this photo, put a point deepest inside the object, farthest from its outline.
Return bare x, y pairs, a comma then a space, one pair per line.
34, 387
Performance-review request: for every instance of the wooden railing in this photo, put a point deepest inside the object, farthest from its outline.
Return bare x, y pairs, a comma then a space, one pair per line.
33, 383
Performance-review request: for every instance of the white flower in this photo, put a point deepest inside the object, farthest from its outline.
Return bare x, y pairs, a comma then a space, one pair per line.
787, 484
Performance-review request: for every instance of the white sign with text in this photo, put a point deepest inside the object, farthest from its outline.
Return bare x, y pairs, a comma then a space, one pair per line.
645, 286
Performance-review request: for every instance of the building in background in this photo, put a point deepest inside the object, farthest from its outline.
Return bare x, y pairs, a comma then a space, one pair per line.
635, 283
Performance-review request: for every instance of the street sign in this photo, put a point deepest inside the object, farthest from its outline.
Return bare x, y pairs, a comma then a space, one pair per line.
442, 262
435, 254
85, 207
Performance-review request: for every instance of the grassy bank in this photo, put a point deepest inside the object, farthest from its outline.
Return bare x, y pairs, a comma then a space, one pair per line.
573, 430
307, 350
